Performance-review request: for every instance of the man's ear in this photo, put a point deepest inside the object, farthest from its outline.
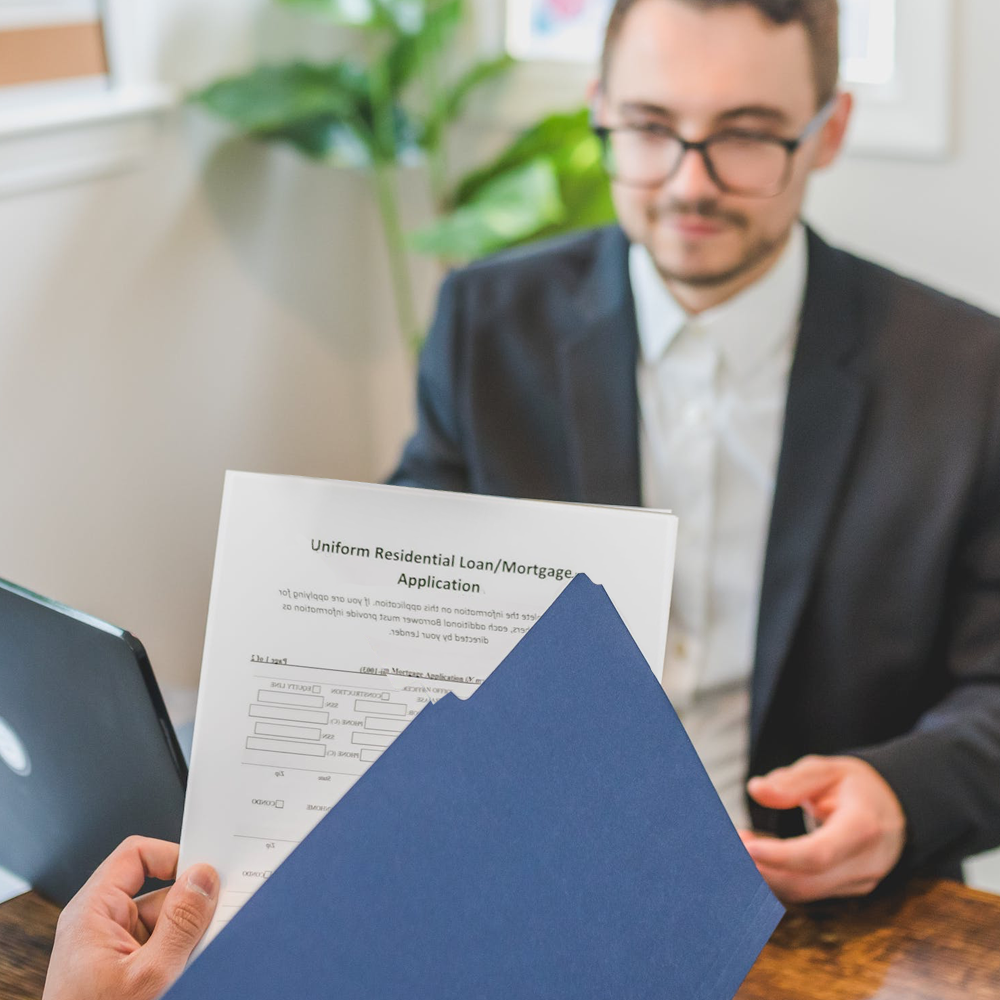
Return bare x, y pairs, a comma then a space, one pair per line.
595, 97
831, 136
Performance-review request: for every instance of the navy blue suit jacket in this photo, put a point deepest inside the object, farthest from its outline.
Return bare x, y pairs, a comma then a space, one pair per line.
879, 621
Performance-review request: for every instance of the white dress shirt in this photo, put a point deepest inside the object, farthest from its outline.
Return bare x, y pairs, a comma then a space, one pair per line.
712, 391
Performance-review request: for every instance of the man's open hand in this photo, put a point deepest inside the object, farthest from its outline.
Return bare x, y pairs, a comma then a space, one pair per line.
860, 829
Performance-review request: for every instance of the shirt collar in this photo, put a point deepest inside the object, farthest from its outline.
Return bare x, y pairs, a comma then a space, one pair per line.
659, 316
746, 328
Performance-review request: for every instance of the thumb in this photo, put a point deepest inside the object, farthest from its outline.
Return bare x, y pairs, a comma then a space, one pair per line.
184, 917
788, 787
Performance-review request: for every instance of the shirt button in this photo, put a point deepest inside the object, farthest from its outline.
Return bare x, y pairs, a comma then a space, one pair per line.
695, 414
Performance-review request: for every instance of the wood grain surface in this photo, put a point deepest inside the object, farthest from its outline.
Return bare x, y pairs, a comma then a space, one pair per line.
933, 941
27, 926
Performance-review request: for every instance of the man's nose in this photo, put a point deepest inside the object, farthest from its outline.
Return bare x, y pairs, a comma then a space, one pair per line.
691, 181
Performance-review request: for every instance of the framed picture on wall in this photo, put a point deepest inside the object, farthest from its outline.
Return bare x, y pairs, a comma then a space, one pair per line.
563, 30
897, 61
867, 41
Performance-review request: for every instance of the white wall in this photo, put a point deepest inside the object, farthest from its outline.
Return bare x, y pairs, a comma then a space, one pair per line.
938, 221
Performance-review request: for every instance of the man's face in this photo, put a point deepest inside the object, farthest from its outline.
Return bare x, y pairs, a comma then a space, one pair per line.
699, 73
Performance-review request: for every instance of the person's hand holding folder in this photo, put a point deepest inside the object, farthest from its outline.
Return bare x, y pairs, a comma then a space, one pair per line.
110, 946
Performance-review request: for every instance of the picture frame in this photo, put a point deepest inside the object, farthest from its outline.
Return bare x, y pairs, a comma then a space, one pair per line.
558, 30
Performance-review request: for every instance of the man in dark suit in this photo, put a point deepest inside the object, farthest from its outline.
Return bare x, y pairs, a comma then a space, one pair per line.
848, 589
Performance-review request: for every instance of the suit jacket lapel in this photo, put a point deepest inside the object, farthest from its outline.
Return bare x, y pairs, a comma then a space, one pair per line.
597, 376
823, 414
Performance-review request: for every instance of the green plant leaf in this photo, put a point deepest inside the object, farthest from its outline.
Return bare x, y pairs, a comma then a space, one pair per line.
276, 97
347, 145
412, 51
323, 111
584, 184
321, 139
505, 203
507, 210
549, 137
450, 105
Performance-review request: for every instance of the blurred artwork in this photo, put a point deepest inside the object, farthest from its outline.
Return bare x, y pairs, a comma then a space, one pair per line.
572, 31
560, 30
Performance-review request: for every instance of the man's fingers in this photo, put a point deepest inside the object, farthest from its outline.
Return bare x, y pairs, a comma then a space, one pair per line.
788, 787
185, 912
132, 861
794, 888
844, 835
751, 837
149, 907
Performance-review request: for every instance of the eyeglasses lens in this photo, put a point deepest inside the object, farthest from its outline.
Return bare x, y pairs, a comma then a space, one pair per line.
740, 164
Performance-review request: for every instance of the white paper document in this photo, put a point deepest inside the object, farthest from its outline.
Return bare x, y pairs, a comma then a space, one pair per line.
339, 609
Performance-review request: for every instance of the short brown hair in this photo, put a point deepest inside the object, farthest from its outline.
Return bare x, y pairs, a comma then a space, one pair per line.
820, 18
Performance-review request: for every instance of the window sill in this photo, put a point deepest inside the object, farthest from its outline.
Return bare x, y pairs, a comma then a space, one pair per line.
71, 140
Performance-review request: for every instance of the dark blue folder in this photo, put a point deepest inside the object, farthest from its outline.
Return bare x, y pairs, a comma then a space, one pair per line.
554, 836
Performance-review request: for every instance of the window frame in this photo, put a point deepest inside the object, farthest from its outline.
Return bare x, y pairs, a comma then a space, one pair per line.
68, 131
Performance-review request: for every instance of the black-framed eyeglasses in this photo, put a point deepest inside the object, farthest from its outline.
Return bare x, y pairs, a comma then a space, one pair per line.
739, 161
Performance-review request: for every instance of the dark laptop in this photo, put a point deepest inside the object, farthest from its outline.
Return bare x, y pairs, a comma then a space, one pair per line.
87, 752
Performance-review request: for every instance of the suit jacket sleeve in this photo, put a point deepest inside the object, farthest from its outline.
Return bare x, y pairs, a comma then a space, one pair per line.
946, 770
433, 457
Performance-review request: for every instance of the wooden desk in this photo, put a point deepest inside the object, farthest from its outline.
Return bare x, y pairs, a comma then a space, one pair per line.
27, 926
937, 941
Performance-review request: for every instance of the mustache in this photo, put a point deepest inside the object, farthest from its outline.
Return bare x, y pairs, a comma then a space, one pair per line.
705, 208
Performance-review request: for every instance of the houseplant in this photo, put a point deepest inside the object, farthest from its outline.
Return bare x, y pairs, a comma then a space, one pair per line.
390, 102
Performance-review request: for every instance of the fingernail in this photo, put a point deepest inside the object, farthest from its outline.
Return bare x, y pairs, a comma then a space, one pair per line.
203, 886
